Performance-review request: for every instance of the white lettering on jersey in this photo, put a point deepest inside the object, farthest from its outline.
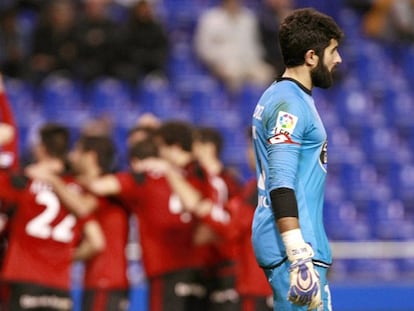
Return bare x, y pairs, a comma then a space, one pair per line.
263, 201
182, 289
226, 295
258, 111
41, 226
176, 207
260, 181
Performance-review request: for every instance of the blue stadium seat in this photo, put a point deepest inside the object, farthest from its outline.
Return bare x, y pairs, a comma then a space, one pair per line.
342, 147
206, 100
112, 98
389, 220
406, 267
408, 63
182, 61
119, 135
180, 16
343, 221
235, 145
401, 179
399, 108
61, 100
360, 179
372, 269
380, 144
157, 97
247, 101
22, 100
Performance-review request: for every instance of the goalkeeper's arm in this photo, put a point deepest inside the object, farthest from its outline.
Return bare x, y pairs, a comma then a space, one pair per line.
304, 279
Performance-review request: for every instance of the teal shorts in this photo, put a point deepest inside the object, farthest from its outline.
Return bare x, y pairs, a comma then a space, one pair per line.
279, 280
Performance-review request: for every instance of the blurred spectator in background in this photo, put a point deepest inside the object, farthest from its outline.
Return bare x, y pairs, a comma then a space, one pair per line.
270, 14
227, 40
391, 21
144, 46
54, 47
14, 44
95, 41
361, 6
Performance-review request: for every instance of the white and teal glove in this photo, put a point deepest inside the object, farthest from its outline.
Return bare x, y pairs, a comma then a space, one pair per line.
304, 279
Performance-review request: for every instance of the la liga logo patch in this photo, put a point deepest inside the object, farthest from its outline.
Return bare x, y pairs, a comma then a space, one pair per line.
286, 122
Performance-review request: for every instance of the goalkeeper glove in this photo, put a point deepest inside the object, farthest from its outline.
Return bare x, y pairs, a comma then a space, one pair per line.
304, 279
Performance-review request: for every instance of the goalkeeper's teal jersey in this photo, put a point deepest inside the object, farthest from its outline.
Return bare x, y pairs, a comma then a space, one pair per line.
290, 144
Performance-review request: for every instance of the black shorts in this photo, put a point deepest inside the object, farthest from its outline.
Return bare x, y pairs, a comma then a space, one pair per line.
256, 303
180, 290
33, 297
105, 300
223, 295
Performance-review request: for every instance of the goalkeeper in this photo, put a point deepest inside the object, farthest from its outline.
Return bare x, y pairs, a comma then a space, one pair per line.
290, 145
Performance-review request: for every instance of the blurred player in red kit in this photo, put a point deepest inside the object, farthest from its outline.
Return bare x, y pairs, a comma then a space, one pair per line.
166, 232
9, 161
44, 236
9, 156
252, 285
207, 147
104, 288
8, 132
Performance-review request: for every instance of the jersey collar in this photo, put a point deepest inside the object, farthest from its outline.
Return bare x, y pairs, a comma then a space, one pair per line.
306, 90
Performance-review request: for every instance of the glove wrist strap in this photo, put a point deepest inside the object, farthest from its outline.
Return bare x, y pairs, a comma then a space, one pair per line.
292, 237
296, 247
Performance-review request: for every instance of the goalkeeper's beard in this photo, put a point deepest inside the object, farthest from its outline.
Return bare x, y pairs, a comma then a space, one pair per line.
321, 76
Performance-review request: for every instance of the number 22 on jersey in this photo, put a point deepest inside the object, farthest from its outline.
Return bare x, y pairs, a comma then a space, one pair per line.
43, 225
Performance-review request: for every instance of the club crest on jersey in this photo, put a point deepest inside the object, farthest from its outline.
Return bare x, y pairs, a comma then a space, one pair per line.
285, 124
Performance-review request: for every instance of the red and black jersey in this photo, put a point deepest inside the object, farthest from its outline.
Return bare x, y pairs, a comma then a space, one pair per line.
251, 280
199, 179
225, 186
9, 161
108, 269
166, 230
43, 234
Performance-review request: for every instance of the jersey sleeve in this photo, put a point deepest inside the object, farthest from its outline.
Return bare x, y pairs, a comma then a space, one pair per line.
199, 179
11, 186
237, 220
285, 128
130, 190
9, 156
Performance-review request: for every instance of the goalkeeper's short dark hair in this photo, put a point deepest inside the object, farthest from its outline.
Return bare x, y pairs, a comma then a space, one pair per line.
306, 29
